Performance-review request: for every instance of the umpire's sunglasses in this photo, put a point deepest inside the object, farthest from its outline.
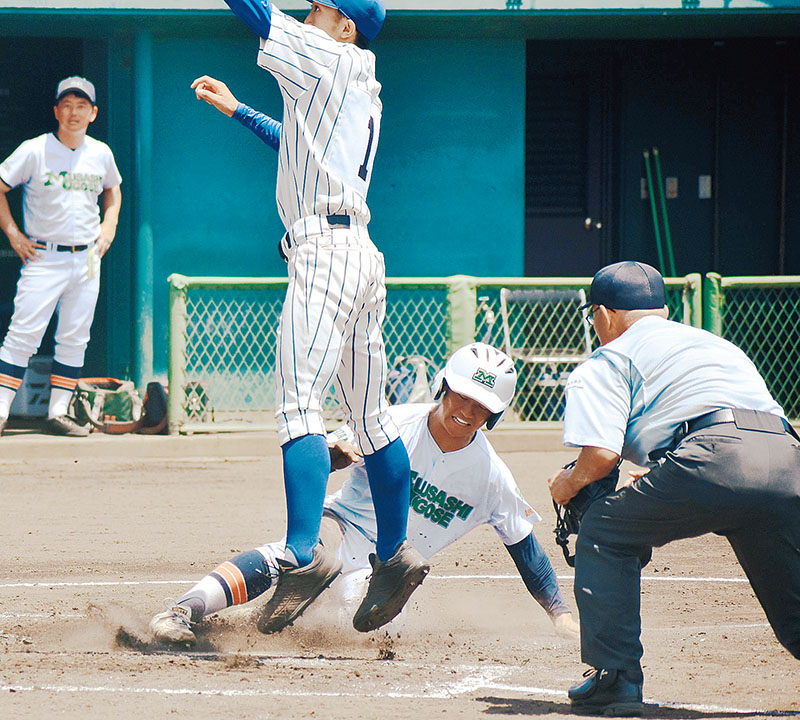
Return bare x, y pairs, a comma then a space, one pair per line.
590, 314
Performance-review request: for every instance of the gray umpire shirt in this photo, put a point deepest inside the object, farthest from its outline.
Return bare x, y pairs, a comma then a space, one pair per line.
631, 394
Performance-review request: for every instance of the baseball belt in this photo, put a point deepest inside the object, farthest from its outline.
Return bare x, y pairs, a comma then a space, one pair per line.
62, 248
334, 221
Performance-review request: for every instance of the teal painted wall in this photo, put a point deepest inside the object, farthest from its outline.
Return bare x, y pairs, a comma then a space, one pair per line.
447, 194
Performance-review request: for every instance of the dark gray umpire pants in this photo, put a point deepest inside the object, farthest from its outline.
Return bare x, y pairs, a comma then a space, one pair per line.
743, 484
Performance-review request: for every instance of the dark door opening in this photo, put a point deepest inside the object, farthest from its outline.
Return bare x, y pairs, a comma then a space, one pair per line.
30, 69
569, 163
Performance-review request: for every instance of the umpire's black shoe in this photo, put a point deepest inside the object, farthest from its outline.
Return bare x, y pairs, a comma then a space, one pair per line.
607, 692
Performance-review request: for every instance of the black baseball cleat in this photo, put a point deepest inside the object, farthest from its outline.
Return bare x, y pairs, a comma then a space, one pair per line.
297, 588
65, 425
390, 586
607, 692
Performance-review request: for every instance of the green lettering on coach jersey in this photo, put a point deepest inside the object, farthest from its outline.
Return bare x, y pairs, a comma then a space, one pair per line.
434, 504
74, 181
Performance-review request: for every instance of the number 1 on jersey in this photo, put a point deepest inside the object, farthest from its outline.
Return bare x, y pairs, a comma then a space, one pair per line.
364, 169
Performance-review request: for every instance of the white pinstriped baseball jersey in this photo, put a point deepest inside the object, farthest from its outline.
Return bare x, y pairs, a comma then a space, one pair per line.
331, 106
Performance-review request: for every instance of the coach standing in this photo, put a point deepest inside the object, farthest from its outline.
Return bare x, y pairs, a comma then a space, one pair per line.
722, 457
331, 324
63, 174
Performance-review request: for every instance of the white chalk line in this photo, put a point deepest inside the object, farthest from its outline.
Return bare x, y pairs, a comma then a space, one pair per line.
96, 583
37, 616
480, 681
121, 583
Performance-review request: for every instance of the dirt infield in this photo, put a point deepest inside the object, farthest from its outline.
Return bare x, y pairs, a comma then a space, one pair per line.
97, 532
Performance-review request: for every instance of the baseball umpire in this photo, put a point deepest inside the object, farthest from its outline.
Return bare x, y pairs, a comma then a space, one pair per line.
330, 328
62, 174
458, 484
722, 457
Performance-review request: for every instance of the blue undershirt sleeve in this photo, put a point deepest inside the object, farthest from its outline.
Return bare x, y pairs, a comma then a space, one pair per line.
256, 14
538, 575
267, 128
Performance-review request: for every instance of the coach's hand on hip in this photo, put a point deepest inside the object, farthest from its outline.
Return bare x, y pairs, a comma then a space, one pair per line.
26, 248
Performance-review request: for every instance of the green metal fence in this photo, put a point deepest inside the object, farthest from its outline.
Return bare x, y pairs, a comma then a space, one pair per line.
762, 316
223, 331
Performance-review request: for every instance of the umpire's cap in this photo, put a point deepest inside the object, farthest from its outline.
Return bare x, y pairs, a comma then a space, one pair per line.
368, 15
627, 285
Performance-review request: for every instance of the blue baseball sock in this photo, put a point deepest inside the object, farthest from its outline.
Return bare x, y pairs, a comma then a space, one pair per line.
389, 474
306, 466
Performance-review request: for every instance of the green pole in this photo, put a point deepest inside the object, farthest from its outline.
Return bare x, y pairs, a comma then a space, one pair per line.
143, 186
461, 310
662, 198
652, 195
176, 369
713, 300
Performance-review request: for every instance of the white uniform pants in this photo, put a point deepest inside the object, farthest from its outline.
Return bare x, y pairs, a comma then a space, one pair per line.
330, 333
57, 281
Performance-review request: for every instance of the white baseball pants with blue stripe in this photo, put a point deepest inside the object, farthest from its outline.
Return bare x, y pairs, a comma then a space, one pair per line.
330, 334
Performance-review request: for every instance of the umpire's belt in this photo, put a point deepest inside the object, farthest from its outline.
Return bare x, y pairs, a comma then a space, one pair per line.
756, 420
745, 420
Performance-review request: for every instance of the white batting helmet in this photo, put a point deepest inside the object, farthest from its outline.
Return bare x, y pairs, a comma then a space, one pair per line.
483, 374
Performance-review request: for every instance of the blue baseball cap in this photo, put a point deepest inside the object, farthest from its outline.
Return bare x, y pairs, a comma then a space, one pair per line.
368, 15
627, 285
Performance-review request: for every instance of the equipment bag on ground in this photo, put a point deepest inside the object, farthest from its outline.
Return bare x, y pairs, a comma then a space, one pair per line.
110, 405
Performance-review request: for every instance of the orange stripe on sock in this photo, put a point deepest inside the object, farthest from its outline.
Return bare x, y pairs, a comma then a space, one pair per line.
238, 586
226, 571
222, 571
10, 381
60, 381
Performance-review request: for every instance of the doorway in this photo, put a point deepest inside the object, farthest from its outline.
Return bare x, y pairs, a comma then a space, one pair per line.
30, 69
569, 159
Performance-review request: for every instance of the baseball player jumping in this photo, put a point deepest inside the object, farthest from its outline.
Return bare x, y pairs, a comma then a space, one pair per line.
330, 327
458, 483
62, 174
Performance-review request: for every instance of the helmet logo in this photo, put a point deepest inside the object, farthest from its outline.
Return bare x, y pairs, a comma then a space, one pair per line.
484, 378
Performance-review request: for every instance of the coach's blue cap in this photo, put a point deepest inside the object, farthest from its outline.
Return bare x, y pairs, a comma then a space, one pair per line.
77, 85
627, 285
368, 15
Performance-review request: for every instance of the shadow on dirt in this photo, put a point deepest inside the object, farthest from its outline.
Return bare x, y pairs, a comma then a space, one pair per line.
515, 706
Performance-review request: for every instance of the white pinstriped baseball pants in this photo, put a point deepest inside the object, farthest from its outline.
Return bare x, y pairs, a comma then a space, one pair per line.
330, 333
